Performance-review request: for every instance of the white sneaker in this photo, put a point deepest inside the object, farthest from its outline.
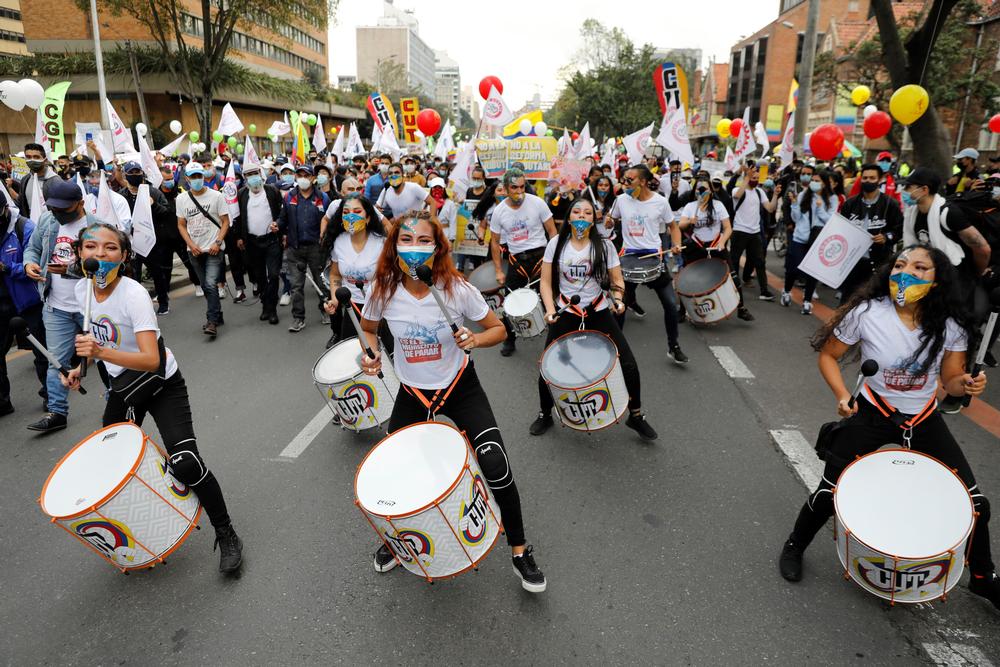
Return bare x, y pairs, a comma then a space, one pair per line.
198, 291
807, 308
786, 299
285, 299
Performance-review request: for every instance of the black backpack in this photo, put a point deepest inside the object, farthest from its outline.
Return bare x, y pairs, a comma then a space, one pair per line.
983, 212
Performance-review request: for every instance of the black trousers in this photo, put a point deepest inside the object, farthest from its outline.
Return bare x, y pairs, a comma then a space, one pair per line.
664, 289
33, 316
469, 408
796, 253
864, 433
603, 321
522, 268
264, 260
753, 245
158, 265
233, 261
171, 410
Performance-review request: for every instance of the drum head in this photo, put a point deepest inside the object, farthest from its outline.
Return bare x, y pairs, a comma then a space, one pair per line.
702, 276
520, 302
578, 359
411, 469
903, 503
92, 470
484, 277
339, 363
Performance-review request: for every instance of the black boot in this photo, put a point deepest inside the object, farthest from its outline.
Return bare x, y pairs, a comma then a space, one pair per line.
790, 560
230, 549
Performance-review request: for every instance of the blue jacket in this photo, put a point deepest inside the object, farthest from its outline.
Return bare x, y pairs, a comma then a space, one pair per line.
22, 289
817, 217
43, 244
300, 216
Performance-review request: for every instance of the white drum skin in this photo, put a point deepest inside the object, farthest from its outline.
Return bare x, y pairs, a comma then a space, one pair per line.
904, 521
523, 308
361, 401
589, 402
712, 305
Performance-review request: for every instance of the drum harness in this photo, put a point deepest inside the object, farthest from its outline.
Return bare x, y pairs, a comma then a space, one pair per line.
434, 403
520, 267
903, 421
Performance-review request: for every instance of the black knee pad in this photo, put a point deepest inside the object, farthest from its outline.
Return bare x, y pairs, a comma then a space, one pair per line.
492, 458
187, 467
981, 504
821, 500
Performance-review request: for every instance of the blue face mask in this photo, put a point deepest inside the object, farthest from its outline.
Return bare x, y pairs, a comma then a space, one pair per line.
196, 183
500, 198
885, 166
106, 273
93, 189
805, 178
255, 181
413, 256
908, 199
815, 186
602, 191
769, 183
631, 191
167, 184
580, 227
353, 222
288, 179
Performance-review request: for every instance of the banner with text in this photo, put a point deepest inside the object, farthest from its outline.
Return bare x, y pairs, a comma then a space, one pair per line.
535, 153
409, 107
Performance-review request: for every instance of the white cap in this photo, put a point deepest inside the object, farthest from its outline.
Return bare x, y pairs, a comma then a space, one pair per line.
435, 182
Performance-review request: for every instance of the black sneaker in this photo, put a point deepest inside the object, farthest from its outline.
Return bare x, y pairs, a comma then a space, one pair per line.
990, 360
637, 310
744, 314
332, 341
766, 296
163, 309
543, 422
273, 319
986, 586
790, 561
52, 421
950, 405
639, 424
240, 297
384, 560
264, 316
230, 549
508, 348
532, 579
675, 353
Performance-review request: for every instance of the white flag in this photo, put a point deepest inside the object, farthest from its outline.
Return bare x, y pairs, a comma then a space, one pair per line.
105, 207
143, 231
637, 143
229, 122
171, 148
745, 144
835, 251
460, 178
608, 157
565, 144
319, 139
388, 144
338, 145
376, 138
36, 205
730, 160
495, 111
79, 184
787, 151
280, 128
760, 134
354, 145
121, 138
674, 135
230, 193
250, 157
446, 142
149, 165
581, 148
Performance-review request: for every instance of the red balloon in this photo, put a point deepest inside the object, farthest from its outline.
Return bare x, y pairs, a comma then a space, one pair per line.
826, 141
995, 124
484, 86
575, 135
878, 124
429, 122
735, 127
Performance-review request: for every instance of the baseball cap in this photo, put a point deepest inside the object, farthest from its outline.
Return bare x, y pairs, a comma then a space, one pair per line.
63, 194
132, 165
285, 167
884, 155
924, 176
304, 167
436, 182
194, 169
967, 152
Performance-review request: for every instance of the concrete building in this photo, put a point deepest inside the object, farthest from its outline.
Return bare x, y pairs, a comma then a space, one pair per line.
470, 102
395, 39
448, 85
346, 81
12, 41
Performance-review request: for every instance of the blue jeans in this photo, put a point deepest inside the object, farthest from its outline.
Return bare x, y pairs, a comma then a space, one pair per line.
209, 270
61, 328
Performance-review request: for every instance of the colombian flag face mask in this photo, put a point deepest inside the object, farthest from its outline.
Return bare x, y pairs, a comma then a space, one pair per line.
413, 256
906, 288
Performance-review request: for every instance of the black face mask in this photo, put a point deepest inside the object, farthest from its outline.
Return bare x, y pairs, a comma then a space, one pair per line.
869, 187
83, 171
66, 217
135, 180
36, 165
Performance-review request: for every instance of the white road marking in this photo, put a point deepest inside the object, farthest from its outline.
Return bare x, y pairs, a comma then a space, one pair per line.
305, 437
956, 655
801, 456
732, 364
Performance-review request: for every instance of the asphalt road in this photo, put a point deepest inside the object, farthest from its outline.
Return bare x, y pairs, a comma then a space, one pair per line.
655, 553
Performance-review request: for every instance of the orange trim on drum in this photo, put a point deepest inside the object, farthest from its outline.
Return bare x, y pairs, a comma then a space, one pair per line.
576, 333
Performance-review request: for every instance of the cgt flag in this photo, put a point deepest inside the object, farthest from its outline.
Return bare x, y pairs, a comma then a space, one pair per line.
50, 118
382, 112
671, 87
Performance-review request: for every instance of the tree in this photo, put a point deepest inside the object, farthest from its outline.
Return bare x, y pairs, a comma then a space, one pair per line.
196, 71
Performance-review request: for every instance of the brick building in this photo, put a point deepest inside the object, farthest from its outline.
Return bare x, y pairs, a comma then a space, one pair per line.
710, 103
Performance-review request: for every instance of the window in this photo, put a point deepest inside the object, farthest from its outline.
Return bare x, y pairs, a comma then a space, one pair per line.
192, 25
788, 4
8, 36
7, 13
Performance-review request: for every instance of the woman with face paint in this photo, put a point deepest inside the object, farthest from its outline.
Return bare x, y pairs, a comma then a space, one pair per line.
587, 266
436, 375
910, 319
810, 212
125, 338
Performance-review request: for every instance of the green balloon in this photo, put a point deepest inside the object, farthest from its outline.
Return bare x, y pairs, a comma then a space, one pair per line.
232, 142
311, 119
239, 149
194, 136
548, 133
217, 136
253, 128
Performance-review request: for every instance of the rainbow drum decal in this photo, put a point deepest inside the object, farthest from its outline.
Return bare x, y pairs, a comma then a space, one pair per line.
424, 494
584, 375
114, 492
904, 520
707, 291
361, 401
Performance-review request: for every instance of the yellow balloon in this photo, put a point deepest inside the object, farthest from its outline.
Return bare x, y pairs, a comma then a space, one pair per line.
860, 95
908, 103
722, 127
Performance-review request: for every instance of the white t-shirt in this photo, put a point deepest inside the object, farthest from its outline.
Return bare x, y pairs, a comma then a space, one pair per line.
427, 356
202, 231
355, 266
258, 213
888, 341
666, 187
523, 228
575, 271
448, 215
704, 230
116, 320
411, 198
489, 219
641, 220
61, 293
747, 216
334, 206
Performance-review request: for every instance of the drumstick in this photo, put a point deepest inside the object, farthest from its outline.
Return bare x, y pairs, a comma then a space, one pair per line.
868, 369
472, 228
90, 268
322, 293
574, 300
344, 301
425, 276
984, 344
508, 290
19, 324
657, 254
360, 284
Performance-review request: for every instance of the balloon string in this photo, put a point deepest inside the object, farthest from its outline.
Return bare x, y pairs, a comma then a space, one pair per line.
927, 58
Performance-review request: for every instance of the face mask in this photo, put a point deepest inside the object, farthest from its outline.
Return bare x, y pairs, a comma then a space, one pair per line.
354, 222
815, 186
908, 199
322, 179
110, 168
167, 184
478, 184
255, 182
631, 191
94, 188
395, 180
580, 227
221, 173
135, 180
518, 198
66, 217
303, 183
702, 192
413, 256
769, 183
805, 178
869, 187
409, 168
197, 184
906, 288
83, 171
36, 165
383, 169
885, 166
106, 273
603, 191
754, 183
500, 198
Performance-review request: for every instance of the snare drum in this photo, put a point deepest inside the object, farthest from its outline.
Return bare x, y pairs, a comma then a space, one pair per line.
584, 375
361, 401
639, 269
524, 310
484, 279
707, 291
114, 492
903, 523
424, 494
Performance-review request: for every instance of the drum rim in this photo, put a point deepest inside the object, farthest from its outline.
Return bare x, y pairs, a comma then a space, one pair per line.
493, 290
433, 503
575, 333
972, 509
326, 352
512, 292
108, 496
695, 263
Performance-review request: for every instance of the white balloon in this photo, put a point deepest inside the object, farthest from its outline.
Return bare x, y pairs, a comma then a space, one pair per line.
141, 129
176, 127
869, 110
541, 128
12, 95
525, 126
34, 94
420, 134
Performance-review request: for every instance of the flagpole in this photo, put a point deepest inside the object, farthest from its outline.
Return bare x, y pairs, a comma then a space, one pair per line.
102, 89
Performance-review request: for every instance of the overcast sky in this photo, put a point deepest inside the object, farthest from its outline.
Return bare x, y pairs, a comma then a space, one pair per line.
525, 43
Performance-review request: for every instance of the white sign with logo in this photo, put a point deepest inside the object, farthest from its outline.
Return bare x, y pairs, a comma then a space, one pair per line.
836, 251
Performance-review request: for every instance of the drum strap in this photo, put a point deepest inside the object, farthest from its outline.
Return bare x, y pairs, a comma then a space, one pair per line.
582, 312
903, 421
357, 309
711, 244
434, 403
526, 257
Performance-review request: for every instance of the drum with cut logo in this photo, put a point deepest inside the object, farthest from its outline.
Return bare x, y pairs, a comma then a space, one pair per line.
422, 491
484, 279
114, 492
361, 401
524, 310
904, 520
707, 291
584, 375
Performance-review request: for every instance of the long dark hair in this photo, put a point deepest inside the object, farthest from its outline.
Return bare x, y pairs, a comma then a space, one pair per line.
807, 194
123, 240
943, 302
709, 203
598, 258
336, 226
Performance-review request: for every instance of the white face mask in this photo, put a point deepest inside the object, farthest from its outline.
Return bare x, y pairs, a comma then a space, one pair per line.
303, 183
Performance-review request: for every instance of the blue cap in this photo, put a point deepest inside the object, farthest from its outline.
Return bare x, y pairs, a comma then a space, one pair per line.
304, 167
132, 165
63, 194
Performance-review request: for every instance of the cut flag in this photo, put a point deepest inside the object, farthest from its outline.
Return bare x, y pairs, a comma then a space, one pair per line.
495, 111
250, 157
674, 135
745, 145
121, 138
229, 122
637, 143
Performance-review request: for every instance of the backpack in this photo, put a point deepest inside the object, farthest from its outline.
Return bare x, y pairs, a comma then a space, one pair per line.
983, 212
